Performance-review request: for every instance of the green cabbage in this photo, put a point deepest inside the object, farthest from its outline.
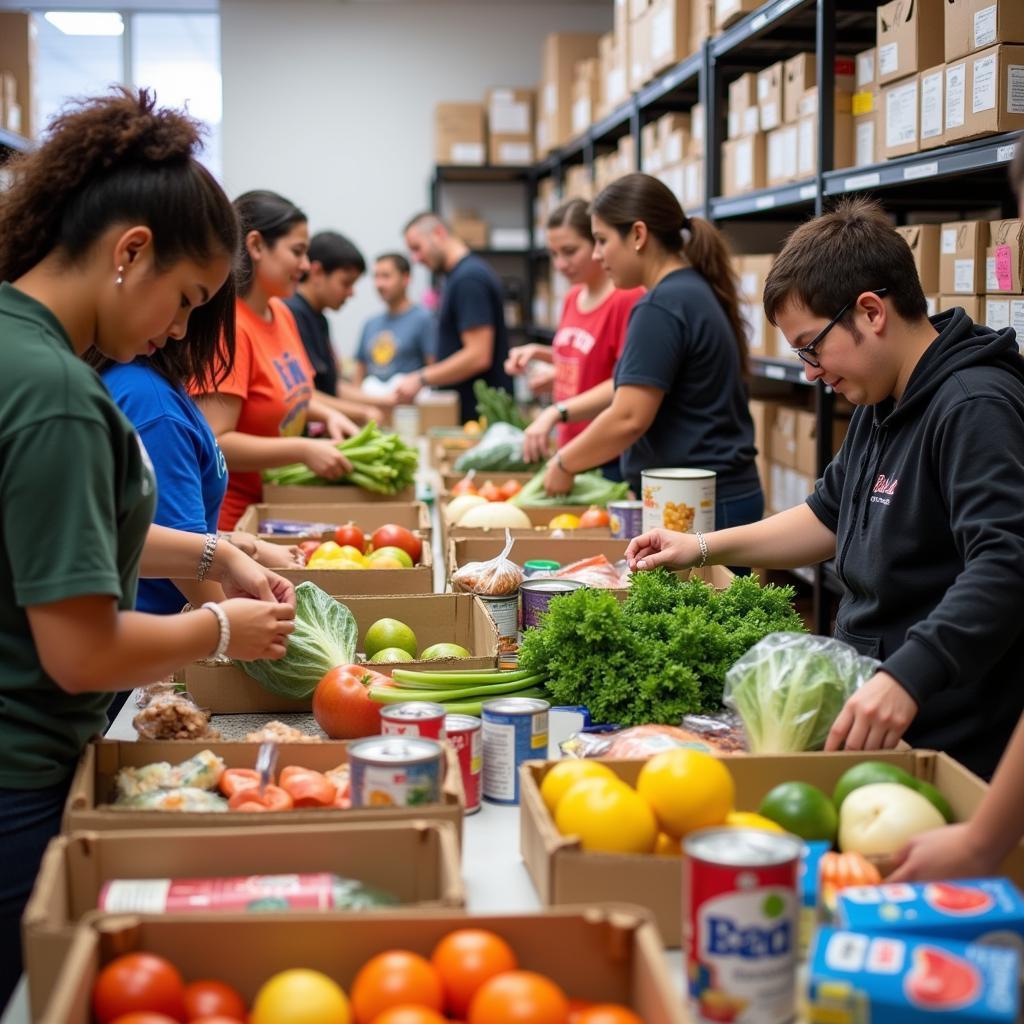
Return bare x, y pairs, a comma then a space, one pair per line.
790, 687
325, 636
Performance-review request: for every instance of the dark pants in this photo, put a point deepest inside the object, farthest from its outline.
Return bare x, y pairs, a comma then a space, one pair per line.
748, 508
612, 471
29, 819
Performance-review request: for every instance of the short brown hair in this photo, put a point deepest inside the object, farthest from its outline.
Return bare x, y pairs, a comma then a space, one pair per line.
832, 259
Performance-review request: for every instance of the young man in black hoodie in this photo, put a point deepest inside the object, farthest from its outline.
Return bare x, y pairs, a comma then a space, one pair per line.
922, 509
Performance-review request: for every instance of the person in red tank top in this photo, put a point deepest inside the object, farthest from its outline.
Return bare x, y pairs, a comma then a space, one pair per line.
577, 367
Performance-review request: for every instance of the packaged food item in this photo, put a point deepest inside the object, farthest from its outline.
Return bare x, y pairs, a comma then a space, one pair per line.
498, 577
182, 798
173, 715
278, 732
596, 572
201, 772
293, 528
515, 729
642, 741
723, 731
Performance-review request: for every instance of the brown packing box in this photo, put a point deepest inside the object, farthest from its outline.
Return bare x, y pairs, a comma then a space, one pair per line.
866, 138
753, 272
808, 104
974, 24
471, 228
510, 126
993, 98
725, 12
1004, 257
416, 861
586, 94
866, 74
607, 954
459, 133
924, 241
763, 415
806, 460
329, 494
368, 517
540, 517
909, 38
673, 132
744, 117
87, 808
932, 121
563, 873
972, 305
782, 438
669, 33
341, 582
1002, 311
962, 246
437, 409
562, 51
614, 72
702, 16
10, 109
19, 56
900, 111
640, 67
769, 95
798, 76
807, 143
744, 164
436, 618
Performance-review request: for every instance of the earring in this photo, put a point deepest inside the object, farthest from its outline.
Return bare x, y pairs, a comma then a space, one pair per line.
638, 248
119, 280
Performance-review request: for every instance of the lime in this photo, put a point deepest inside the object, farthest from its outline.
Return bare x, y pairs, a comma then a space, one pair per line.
435, 652
389, 633
802, 809
396, 553
934, 797
390, 656
867, 773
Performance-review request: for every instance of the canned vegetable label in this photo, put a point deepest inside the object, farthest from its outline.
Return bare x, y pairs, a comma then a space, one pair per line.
505, 613
464, 734
395, 771
515, 729
678, 499
626, 519
413, 718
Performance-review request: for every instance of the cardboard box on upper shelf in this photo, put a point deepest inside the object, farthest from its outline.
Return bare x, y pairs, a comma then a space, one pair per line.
753, 272
674, 136
807, 143
460, 135
769, 95
924, 241
669, 33
744, 164
932, 124
19, 57
972, 305
972, 25
562, 51
650, 149
702, 17
744, 116
586, 94
640, 64
696, 149
900, 112
614, 73
728, 11
992, 98
471, 228
799, 74
866, 74
867, 135
510, 126
1004, 257
962, 251
577, 183
782, 155
909, 38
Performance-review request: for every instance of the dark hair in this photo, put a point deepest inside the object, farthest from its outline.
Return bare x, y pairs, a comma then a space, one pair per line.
119, 159
401, 264
1017, 171
832, 259
334, 251
424, 215
573, 214
273, 217
640, 197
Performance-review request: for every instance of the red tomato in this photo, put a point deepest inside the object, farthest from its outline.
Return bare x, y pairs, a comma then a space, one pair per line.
395, 978
308, 788
465, 486
392, 536
410, 1015
144, 1017
491, 492
250, 800
608, 1013
235, 779
510, 488
350, 534
594, 516
465, 959
138, 981
519, 997
342, 705
213, 999
308, 547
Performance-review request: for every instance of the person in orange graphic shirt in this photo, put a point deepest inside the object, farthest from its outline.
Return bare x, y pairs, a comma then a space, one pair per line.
259, 413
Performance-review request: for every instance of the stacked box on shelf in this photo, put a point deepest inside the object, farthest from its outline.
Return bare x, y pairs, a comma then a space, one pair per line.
791, 458
613, 54
963, 246
586, 94
510, 126
972, 25
864, 108
1004, 277
578, 183
640, 67
460, 135
983, 93
562, 51
670, 34
753, 272
925, 242
18, 59
726, 12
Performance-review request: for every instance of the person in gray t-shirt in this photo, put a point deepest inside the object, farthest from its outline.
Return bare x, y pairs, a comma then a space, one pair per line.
401, 339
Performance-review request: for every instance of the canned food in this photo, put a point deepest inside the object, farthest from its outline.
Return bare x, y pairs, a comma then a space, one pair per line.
537, 595
540, 567
395, 771
740, 917
678, 499
515, 729
504, 610
406, 422
464, 735
626, 519
413, 718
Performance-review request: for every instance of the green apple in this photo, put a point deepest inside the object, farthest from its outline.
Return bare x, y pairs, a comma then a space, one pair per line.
390, 656
435, 652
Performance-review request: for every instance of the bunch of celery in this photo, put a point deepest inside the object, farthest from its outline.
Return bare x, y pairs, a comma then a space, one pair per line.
380, 462
461, 691
592, 488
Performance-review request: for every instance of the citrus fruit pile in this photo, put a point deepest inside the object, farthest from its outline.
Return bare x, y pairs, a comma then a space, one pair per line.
389, 641
390, 547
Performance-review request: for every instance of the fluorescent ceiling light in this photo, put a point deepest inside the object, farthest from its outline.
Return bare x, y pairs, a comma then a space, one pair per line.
86, 23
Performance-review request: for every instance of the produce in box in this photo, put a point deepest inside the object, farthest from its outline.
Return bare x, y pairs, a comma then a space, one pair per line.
592, 488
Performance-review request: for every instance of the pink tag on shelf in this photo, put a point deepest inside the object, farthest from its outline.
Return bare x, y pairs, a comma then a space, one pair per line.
1004, 268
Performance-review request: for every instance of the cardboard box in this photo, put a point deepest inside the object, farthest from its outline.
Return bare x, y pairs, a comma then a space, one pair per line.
769, 95
931, 122
702, 17
368, 517
993, 100
866, 74
610, 955
909, 38
782, 145
975, 24
900, 112
924, 241
540, 517
787, 487
416, 861
763, 415
807, 144
962, 249
460, 136
1004, 257
753, 272
510, 126
782, 437
805, 461
471, 228
348, 582
640, 63
10, 109
614, 73
19, 57
744, 116
800, 74
972, 305
586, 94
693, 184
330, 494
562, 51
226, 689
437, 409
563, 873
744, 164
669, 33
87, 808
866, 139
728, 11
697, 126
997, 312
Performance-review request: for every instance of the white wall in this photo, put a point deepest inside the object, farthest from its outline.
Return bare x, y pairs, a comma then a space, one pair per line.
331, 103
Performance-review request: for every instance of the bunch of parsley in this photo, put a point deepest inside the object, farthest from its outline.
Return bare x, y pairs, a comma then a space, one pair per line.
658, 656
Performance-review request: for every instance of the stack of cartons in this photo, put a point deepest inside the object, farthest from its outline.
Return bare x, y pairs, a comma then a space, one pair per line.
578, 184
586, 94
562, 52
1004, 277
510, 127
753, 272
792, 446
460, 135
963, 248
925, 242
669, 138
744, 153
639, 43
864, 107
613, 55
669, 33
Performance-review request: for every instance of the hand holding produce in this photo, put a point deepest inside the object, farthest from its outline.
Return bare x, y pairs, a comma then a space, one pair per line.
591, 488
663, 548
324, 459
875, 717
880, 819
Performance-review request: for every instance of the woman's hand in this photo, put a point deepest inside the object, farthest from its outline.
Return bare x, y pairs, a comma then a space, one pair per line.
240, 576
338, 426
259, 629
521, 355
541, 379
325, 460
663, 547
950, 852
537, 436
557, 480
278, 556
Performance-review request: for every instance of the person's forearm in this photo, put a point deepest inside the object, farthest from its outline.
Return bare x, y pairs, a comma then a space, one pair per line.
998, 824
460, 366
590, 403
784, 541
248, 453
318, 409
197, 594
358, 376
605, 439
352, 409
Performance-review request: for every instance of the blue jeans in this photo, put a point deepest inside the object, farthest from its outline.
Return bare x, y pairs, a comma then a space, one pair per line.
29, 819
748, 508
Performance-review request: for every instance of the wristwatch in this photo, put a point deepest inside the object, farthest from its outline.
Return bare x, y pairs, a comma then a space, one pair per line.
423, 379
563, 412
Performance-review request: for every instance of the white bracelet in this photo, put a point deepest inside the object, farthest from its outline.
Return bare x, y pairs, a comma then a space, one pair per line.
225, 629
703, 549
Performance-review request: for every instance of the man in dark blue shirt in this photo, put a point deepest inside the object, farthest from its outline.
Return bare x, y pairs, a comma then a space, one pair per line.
472, 340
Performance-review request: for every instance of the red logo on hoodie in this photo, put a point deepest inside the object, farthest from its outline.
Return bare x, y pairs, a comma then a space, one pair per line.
883, 485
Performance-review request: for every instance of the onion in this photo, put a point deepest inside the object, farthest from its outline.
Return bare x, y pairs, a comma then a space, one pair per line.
460, 505
496, 515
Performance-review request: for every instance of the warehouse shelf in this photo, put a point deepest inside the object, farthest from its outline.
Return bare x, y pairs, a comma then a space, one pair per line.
800, 194
684, 77
12, 142
614, 125
753, 27
789, 370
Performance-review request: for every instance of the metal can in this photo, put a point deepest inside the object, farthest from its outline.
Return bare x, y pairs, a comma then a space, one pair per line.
537, 595
413, 718
740, 924
626, 519
678, 499
540, 567
406, 422
395, 771
464, 734
504, 610
515, 729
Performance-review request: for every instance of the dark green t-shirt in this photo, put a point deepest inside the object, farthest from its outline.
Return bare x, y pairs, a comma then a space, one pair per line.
76, 500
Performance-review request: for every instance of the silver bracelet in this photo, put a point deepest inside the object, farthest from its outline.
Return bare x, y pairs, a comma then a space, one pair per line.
206, 559
703, 549
225, 629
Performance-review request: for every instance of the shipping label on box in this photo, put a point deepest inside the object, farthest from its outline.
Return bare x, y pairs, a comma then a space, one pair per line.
909, 38
956, 99
867, 78
782, 146
1004, 257
865, 148
900, 112
962, 257
997, 312
924, 242
799, 76
994, 95
932, 122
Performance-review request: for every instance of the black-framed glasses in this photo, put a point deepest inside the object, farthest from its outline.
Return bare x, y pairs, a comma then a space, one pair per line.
809, 352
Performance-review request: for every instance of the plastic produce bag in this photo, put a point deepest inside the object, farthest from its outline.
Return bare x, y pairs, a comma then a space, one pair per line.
790, 687
640, 741
596, 572
494, 578
500, 449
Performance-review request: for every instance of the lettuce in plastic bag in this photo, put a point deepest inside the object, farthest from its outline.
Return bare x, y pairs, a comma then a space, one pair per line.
325, 636
790, 687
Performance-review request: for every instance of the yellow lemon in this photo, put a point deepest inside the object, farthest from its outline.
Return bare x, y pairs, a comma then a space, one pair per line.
748, 819
565, 774
565, 521
687, 790
608, 816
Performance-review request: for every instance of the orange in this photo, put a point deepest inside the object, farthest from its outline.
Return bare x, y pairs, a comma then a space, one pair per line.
467, 958
395, 978
519, 997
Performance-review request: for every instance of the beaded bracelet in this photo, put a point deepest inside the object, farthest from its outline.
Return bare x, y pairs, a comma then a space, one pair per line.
206, 559
703, 549
225, 629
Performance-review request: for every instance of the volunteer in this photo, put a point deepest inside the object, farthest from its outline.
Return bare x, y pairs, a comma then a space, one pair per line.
920, 508
589, 340
260, 410
472, 339
680, 398
112, 235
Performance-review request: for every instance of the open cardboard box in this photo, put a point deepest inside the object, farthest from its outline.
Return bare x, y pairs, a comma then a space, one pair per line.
539, 517
451, 478
605, 954
368, 517
225, 689
563, 873
416, 861
92, 788
353, 582
329, 494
